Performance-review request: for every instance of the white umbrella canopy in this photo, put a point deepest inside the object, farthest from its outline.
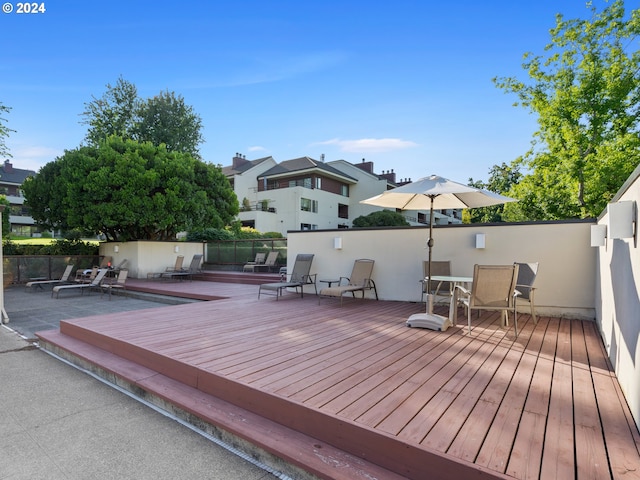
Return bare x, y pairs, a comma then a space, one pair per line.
446, 194
434, 193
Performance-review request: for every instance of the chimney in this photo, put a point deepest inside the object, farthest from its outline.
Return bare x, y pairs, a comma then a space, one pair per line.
8, 167
322, 157
238, 161
366, 166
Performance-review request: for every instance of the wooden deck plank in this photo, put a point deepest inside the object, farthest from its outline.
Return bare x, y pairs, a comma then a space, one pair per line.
558, 453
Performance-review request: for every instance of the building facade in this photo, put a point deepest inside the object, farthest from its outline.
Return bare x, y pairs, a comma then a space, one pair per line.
11, 180
308, 194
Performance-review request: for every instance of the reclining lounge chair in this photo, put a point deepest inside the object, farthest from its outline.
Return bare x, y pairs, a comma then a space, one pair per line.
299, 278
95, 283
359, 281
63, 279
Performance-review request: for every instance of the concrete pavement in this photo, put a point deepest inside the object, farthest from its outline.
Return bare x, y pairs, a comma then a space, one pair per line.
57, 422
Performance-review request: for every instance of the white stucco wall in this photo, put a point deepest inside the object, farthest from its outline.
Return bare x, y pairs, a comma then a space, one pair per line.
146, 257
566, 277
618, 301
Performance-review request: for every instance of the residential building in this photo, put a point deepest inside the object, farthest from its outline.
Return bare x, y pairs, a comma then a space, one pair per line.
308, 194
11, 179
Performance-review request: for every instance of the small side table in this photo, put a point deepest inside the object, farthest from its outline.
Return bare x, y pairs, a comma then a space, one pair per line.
330, 281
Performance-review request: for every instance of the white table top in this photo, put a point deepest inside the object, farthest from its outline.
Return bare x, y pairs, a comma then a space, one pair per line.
450, 278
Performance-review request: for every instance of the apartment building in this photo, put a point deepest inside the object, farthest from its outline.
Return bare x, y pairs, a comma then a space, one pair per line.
308, 194
11, 180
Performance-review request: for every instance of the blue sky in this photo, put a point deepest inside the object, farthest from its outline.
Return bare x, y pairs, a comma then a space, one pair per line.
405, 84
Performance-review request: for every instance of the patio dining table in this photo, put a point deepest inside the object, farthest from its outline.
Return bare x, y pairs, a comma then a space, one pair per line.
455, 280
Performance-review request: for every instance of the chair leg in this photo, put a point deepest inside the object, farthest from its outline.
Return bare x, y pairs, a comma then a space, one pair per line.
469, 318
515, 321
533, 308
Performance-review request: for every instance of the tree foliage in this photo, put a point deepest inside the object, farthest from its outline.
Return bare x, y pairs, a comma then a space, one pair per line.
501, 179
163, 119
130, 191
166, 119
382, 218
112, 114
585, 92
4, 131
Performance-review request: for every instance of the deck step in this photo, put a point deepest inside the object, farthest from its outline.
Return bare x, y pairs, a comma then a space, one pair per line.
284, 450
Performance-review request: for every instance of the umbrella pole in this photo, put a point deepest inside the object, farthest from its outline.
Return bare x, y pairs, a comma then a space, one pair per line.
430, 246
429, 319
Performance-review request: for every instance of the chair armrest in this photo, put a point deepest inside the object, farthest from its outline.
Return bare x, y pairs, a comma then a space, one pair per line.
464, 290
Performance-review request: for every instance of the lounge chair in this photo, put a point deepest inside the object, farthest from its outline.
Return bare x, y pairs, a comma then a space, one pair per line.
120, 266
63, 279
269, 263
82, 286
300, 277
359, 281
176, 268
87, 275
119, 283
493, 289
251, 265
194, 268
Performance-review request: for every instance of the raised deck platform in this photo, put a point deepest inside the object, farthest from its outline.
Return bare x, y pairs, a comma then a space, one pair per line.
352, 392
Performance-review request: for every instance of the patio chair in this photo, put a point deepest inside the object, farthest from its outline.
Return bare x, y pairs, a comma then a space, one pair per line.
493, 289
251, 265
176, 268
194, 267
87, 275
95, 283
118, 284
120, 266
524, 285
300, 277
63, 279
270, 262
359, 281
438, 289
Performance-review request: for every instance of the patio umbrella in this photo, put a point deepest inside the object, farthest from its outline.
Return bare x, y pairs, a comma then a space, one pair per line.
435, 193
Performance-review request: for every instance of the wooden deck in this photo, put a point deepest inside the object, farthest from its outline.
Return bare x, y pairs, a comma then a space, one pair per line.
351, 392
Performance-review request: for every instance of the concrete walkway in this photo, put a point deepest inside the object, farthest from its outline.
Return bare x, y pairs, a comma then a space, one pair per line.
58, 422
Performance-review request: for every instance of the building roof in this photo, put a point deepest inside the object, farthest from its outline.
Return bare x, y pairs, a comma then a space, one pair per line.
302, 164
241, 165
14, 176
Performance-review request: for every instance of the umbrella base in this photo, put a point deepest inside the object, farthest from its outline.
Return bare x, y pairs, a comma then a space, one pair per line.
428, 320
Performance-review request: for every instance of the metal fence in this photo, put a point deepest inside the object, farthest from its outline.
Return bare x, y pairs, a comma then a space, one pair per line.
20, 269
232, 254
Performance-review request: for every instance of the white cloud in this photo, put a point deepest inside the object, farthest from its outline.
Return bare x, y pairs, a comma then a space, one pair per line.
370, 145
257, 148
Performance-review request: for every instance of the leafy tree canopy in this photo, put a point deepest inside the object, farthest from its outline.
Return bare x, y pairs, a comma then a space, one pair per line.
130, 191
163, 119
382, 218
585, 92
501, 179
4, 131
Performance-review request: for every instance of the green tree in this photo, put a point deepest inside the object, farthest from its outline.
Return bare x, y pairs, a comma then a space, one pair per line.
166, 119
4, 131
502, 178
585, 92
130, 191
382, 218
112, 114
6, 225
163, 119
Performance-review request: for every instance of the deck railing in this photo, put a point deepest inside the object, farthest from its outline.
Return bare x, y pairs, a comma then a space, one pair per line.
233, 254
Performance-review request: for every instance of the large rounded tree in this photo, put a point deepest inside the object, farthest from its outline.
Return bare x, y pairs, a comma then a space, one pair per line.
130, 191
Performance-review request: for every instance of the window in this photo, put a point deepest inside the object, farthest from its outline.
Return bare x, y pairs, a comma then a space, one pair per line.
344, 190
343, 211
308, 205
319, 183
308, 226
306, 183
